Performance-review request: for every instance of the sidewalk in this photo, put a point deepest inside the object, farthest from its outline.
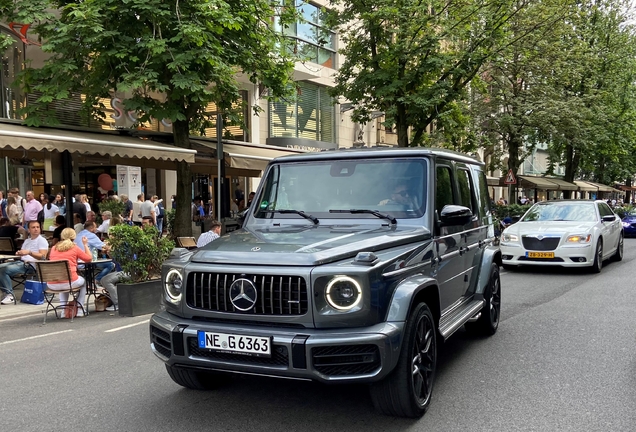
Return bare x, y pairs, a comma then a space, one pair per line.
24, 309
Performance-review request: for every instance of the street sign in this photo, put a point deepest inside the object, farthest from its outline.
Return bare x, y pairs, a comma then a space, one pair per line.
510, 178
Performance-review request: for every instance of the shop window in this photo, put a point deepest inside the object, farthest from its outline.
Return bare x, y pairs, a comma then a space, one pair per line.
311, 115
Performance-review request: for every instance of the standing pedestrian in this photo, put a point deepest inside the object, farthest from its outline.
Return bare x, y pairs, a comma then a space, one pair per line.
31, 210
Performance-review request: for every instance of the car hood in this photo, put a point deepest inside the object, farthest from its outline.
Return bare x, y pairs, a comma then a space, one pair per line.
304, 245
550, 227
630, 219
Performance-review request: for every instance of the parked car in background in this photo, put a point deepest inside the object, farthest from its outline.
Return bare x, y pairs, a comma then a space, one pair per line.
351, 267
567, 233
629, 223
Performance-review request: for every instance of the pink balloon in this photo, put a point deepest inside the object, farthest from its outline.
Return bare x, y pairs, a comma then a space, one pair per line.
105, 181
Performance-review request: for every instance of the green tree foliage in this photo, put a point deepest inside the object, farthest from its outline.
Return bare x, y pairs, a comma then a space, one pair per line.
171, 58
413, 60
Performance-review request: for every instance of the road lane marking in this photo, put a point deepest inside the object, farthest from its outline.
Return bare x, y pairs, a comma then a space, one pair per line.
35, 337
127, 326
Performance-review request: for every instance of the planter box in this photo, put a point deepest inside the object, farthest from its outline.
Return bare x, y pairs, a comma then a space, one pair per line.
139, 298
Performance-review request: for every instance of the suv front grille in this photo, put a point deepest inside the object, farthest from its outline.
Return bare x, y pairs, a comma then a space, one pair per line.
346, 360
276, 295
161, 340
546, 244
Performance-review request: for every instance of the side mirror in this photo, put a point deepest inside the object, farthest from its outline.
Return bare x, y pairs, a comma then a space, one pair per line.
453, 215
609, 218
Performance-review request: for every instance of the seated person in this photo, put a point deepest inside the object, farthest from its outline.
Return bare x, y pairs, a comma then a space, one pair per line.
60, 222
95, 245
213, 234
34, 248
8, 230
77, 221
400, 196
67, 250
103, 228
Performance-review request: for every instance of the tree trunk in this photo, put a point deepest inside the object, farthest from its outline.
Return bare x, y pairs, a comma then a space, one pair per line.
514, 144
183, 216
572, 160
402, 126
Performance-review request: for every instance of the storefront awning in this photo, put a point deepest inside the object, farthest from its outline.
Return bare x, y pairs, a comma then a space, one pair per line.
248, 156
585, 186
18, 137
545, 183
601, 187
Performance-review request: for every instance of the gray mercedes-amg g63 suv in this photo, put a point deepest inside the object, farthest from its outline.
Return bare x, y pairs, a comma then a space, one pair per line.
351, 266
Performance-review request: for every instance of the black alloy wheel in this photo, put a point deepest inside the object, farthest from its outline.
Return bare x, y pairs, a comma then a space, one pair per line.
407, 391
597, 266
618, 256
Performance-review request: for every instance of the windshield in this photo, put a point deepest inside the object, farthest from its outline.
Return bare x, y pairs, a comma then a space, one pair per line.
561, 211
389, 186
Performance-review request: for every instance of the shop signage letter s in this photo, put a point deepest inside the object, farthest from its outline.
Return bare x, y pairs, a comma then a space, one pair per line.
118, 106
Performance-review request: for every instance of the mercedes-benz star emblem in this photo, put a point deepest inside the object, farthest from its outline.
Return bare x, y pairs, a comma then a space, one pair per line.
256, 249
243, 294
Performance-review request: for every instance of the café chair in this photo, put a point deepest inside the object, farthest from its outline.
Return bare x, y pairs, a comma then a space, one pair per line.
7, 246
186, 242
59, 272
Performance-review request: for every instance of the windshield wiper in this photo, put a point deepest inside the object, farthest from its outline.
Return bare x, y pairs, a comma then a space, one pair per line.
298, 212
372, 212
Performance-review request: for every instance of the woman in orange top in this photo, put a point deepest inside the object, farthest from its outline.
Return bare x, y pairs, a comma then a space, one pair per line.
66, 249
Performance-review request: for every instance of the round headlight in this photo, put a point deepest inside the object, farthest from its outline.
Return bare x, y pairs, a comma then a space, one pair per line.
343, 293
174, 283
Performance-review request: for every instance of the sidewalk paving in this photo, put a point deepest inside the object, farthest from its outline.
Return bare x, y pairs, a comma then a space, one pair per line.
19, 310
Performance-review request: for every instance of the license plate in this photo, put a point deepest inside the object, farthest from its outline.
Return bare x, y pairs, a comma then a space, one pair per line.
240, 344
540, 254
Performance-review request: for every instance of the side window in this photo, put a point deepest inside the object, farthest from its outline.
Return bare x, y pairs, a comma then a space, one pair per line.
484, 199
465, 189
604, 210
444, 192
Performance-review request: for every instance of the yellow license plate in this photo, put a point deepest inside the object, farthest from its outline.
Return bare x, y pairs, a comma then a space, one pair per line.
540, 254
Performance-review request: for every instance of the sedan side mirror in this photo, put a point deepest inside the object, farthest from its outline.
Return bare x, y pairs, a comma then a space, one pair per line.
453, 215
609, 218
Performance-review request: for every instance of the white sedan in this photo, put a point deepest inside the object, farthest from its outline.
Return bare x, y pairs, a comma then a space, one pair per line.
567, 233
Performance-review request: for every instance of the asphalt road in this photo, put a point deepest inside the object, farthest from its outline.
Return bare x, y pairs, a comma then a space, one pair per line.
564, 359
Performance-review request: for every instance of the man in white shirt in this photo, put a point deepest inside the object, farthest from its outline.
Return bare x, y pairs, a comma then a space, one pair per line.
147, 209
103, 228
34, 248
209, 236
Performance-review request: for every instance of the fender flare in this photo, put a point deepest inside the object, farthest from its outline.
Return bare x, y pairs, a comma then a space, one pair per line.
406, 291
491, 254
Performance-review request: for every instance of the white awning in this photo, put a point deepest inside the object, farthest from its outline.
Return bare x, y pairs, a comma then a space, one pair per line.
21, 137
249, 156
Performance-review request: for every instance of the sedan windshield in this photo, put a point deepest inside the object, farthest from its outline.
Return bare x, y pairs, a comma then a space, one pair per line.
345, 189
561, 211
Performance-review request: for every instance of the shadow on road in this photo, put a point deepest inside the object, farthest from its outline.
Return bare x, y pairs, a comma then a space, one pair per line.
257, 403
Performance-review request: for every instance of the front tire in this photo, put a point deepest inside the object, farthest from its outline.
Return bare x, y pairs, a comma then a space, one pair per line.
597, 266
195, 380
618, 256
407, 391
488, 322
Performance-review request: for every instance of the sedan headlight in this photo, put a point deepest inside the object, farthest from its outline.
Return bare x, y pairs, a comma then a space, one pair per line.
174, 285
343, 293
626, 224
582, 238
509, 237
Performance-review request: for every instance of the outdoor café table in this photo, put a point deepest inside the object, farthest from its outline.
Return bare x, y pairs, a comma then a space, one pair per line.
89, 276
5, 258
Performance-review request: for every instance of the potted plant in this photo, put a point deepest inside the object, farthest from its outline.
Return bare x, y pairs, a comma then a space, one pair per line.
140, 252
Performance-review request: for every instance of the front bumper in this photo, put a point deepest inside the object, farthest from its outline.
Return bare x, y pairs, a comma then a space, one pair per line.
326, 355
574, 255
